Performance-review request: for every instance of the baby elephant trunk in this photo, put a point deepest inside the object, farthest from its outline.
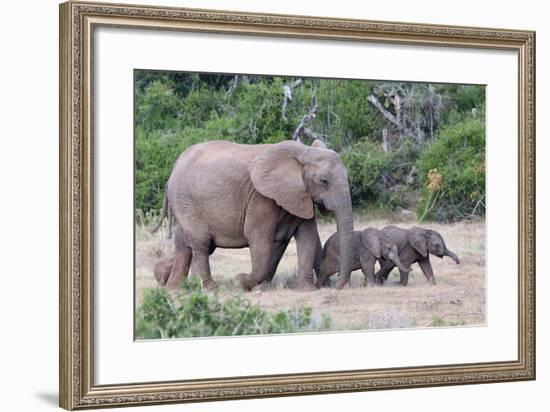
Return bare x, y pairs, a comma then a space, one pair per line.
394, 257
452, 256
323, 276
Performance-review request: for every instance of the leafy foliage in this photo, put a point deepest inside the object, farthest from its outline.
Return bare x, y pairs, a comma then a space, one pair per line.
194, 312
365, 162
176, 110
459, 156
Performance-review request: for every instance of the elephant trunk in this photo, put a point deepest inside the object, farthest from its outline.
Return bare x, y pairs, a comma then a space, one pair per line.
452, 256
344, 226
394, 257
322, 277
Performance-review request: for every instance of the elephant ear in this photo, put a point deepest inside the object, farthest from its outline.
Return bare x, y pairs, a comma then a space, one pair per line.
278, 175
417, 239
370, 238
319, 144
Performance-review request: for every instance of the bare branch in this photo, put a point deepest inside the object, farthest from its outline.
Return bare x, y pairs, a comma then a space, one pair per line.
287, 93
385, 141
315, 135
308, 118
393, 119
233, 86
388, 115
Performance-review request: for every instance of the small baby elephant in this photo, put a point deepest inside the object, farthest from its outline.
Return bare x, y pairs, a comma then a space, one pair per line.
368, 246
414, 245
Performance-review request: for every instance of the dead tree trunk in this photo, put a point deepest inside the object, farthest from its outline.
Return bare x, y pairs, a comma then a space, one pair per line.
385, 142
396, 120
307, 120
287, 96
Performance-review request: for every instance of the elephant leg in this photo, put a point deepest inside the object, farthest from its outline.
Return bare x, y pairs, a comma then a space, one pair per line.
404, 277
201, 265
180, 261
277, 253
162, 270
368, 260
260, 254
329, 266
180, 268
385, 269
318, 259
306, 249
426, 268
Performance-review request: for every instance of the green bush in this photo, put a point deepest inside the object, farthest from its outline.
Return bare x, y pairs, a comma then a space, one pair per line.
367, 167
156, 153
193, 312
344, 112
199, 106
158, 107
459, 157
174, 110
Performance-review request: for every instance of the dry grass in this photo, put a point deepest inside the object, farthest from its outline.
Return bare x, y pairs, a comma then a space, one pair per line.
457, 299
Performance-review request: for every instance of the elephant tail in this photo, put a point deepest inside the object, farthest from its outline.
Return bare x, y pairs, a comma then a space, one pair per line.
166, 213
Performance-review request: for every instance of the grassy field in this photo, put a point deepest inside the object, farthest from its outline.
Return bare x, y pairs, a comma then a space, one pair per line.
457, 299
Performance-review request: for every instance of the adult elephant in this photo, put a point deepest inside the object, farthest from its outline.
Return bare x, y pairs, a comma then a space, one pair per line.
231, 195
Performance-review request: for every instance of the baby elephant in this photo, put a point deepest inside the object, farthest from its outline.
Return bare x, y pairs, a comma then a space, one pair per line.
368, 246
414, 245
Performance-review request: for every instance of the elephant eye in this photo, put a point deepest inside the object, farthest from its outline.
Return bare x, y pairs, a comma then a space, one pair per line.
324, 181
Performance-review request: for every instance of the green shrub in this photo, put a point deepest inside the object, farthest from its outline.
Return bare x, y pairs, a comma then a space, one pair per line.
440, 321
193, 312
199, 106
174, 110
368, 167
344, 113
157, 107
156, 153
365, 163
459, 157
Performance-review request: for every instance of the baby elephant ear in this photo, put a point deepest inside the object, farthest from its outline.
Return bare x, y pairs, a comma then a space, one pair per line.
371, 240
319, 144
417, 239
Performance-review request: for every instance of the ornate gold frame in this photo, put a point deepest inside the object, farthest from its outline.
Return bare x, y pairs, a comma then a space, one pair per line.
77, 23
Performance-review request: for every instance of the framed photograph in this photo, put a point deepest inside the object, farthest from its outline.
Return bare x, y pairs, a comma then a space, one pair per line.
258, 205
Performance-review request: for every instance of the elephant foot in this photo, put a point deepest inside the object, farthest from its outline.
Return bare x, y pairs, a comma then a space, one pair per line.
306, 286
267, 285
173, 285
247, 281
323, 283
328, 283
162, 271
209, 284
341, 284
305, 281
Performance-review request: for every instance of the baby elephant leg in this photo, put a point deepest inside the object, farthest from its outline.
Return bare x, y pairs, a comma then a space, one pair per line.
426, 268
386, 267
368, 260
404, 277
